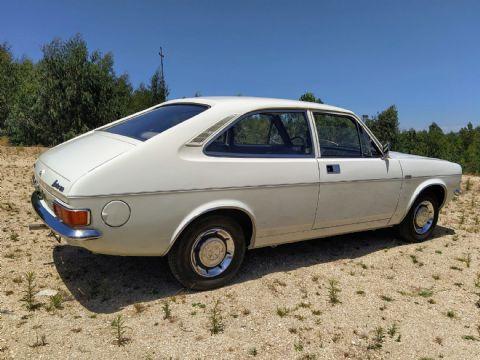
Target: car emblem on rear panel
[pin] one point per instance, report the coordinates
(57, 186)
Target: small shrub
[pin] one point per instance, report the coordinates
(379, 337)
(333, 291)
(56, 302)
(392, 330)
(425, 293)
(167, 311)
(119, 330)
(415, 260)
(14, 237)
(199, 305)
(139, 307)
(216, 322)
(29, 297)
(451, 314)
(386, 298)
(298, 346)
(282, 311)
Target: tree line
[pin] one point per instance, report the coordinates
(66, 93)
(71, 90)
(462, 147)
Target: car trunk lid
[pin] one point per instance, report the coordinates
(58, 168)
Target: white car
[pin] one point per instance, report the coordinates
(203, 179)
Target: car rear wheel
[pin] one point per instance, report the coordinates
(421, 220)
(208, 253)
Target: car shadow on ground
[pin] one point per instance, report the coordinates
(105, 284)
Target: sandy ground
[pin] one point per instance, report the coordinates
(359, 296)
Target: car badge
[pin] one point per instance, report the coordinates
(57, 186)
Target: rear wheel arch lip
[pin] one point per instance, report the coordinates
(421, 189)
(205, 209)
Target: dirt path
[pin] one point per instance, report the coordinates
(358, 296)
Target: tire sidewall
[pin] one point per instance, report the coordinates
(180, 256)
(412, 234)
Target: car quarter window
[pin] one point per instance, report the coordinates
(369, 148)
(265, 134)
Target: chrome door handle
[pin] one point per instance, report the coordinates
(333, 169)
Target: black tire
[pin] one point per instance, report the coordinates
(407, 228)
(180, 256)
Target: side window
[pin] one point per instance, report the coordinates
(265, 134)
(369, 149)
(338, 136)
(253, 130)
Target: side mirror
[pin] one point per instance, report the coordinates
(386, 150)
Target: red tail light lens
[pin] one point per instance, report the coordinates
(72, 217)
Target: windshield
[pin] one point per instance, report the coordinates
(143, 127)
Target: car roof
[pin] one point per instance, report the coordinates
(252, 103)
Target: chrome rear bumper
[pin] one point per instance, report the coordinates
(59, 227)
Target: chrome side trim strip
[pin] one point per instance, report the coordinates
(161, 192)
(59, 227)
(358, 181)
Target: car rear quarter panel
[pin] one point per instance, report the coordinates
(157, 219)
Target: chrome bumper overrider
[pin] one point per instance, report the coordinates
(59, 227)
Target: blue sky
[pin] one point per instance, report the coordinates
(423, 56)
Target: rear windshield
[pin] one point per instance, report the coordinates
(151, 123)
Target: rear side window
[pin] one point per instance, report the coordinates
(151, 123)
(265, 134)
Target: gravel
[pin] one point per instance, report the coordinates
(279, 307)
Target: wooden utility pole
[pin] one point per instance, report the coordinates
(161, 62)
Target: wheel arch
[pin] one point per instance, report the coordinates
(435, 186)
(235, 209)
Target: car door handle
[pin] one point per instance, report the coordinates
(333, 169)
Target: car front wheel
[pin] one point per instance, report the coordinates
(421, 220)
(208, 253)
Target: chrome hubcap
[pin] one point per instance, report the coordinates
(212, 252)
(423, 217)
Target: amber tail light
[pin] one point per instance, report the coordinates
(72, 217)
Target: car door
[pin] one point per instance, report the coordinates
(267, 161)
(357, 185)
